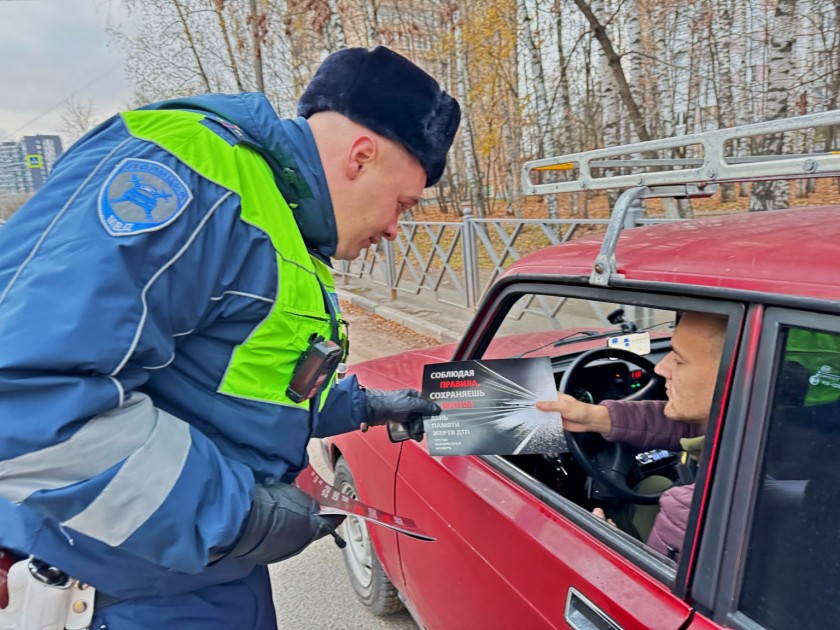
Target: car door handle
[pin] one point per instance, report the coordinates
(582, 614)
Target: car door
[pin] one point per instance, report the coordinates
(509, 551)
(503, 560)
(770, 555)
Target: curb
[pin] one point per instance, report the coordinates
(417, 324)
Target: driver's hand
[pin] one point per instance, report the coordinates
(599, 512)
(579, 416)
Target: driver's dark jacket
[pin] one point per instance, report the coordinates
(643, 424)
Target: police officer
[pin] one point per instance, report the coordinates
(169, 331)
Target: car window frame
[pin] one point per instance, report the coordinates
(488, 320)
(724, 565)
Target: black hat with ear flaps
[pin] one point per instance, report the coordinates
(391, 96)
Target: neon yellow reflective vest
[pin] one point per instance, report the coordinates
(261, 367)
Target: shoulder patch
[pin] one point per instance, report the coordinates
(141, 196)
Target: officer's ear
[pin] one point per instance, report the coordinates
(360, 156)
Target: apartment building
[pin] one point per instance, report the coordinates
(25, 165)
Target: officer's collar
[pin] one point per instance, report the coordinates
(293, 156)
(289, 148)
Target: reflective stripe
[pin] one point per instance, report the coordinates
(260, 368)
(160, 367)
(141, 485)
(81, 457)
(242, 294)
(120, 391)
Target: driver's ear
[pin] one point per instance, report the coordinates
(360, 156)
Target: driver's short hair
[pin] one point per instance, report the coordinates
(717, 323)
(722, 320)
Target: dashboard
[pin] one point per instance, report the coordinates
(608, 380)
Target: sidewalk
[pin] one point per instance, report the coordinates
(422, 313)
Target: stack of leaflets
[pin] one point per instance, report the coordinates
(331, 501)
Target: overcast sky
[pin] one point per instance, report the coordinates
(51, 50)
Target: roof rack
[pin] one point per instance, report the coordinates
(678, 177)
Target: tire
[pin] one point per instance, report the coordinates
(367, 577)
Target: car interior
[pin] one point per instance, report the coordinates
(598, 351)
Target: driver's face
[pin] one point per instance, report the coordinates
(691, 368)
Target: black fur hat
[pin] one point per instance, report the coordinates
(390, 95)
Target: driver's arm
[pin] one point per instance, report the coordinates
(579, 416)
(640, 423)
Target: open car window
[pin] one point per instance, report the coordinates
(564, 327)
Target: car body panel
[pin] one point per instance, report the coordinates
(503, 557)
(373, 458)
(732, 252)
(493, 537)
(400, 370)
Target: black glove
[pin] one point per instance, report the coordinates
(283, 521)
(403, 406)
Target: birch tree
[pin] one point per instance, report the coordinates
(614, 63)
(720, 46)
(634, 55)
(771, 195)
(568, 117)
(185, 47)
(335, 38)
(565, 76)
(467, 138)
(742, 49)
(370, 19)
(541, 105)
(609, 90)
(219, 9)
(184, 21)
(259, 30)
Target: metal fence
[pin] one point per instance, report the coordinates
(456, 262)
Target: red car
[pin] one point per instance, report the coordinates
(517, 544)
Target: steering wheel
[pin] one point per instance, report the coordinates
(610, 462)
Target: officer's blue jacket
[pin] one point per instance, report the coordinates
(120, 462)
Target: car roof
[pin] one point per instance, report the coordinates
(788, 252)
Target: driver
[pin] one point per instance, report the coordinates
(690, 371)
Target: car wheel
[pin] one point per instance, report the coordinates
(372, 586)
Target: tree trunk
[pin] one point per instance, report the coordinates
(614, 63)
(634, 46)
(258, 25)
(219, 8)
(771, 195)
(665, 75)
(370, 15)
(336, 40)
(185, 27)
(468, 142)
(568, 143)
(721, 58)
(742, 51)
(512, 141)
(610, 108)
(541, 104)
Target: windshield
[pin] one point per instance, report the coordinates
(538, 325)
